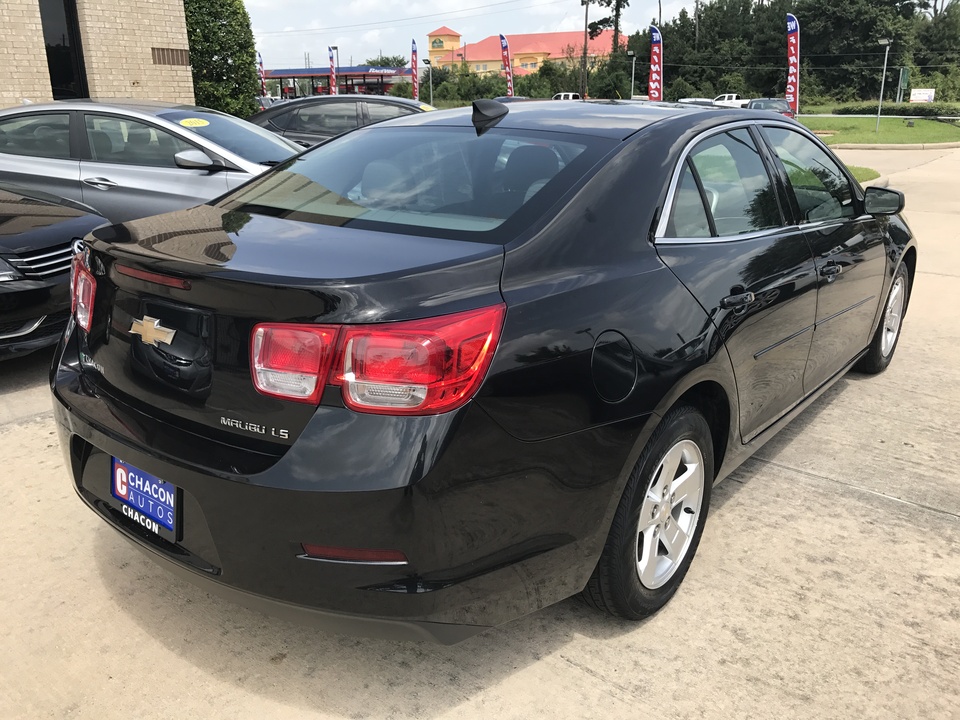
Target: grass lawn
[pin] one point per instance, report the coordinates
(863, 174)
(892, 130)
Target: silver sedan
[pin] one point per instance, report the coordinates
(130, 158)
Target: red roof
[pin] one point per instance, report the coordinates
(444, 31)
(555, 44)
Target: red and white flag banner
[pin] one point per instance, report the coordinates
(793, 63)
(655, 84)
(507, 65)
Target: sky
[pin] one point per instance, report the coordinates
(286, 29)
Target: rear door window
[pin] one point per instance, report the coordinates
(325, 119)
(737, 186)
(46, 135)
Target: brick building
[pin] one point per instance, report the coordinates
(62, 49)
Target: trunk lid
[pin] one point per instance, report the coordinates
(181, 353)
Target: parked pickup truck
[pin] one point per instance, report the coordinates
(731, 100)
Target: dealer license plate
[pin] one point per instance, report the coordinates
(148, 501)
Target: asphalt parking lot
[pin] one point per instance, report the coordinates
(826, 584)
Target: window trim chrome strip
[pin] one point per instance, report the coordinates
(26, 329)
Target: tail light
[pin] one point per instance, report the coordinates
(292, 361)
(84, 287)
(415, 367)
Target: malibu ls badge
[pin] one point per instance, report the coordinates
(151, 332)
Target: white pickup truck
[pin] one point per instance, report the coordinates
(731, 100)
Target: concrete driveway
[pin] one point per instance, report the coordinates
(826, 585)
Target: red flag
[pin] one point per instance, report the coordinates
(655, 84)
(413, 67)
(793, 63)
(507, 67)
(333, 73)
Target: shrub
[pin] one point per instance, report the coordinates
(934, 109)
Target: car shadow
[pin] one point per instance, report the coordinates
(26, 371)
(347, 676)
(359, 677)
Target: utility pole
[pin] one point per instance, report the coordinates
(586, 38)
(696, 25)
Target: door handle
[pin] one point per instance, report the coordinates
(831, 270)
(99, 183)
(737, 301)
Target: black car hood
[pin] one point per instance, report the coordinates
(31, 220)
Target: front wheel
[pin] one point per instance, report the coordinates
(885, 339)
(658, 523)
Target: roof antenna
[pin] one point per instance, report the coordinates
(486, 114)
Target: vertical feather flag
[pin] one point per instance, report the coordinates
(507, 64)
(655, 84)
(413, 67)
(333, 73)
(792, 94)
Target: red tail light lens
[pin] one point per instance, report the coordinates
(292, 361)
(414, 367)
(357, 555)
(418, 367)
(84, 293)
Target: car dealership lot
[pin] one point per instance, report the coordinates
(826, 584)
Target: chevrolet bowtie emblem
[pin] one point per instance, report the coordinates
(150, 331)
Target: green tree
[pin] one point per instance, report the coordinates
(222, 55)
(403, 89)
(393, 61)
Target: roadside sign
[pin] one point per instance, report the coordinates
(904, 78)
(918, 95)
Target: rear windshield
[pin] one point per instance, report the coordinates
(252, 143)
(769, 105)
(440, 182)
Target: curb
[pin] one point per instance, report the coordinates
(890, 146)
(880, 182)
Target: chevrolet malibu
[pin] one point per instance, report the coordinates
(449, 369)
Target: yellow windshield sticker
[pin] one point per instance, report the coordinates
(427, 108)
(194, 122)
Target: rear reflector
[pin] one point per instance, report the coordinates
(292, 361)
(358, 555)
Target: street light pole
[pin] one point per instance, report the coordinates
(883, 78)
(633, 70)
(430, 75)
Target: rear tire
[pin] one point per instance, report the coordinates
(659, 521)
(885, 339)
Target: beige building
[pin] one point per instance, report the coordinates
(63, 49)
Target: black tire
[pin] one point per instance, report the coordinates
(616, 584)
(880, 353)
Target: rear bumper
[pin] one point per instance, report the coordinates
(494, 528)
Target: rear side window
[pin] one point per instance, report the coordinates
(442, 182)
(325, 119)
(688, 218)
(822, 190)
(46, 135)
(738, 189)
(386, 111)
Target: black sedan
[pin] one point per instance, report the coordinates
(39, 235)
(312, 120)
(447, 370)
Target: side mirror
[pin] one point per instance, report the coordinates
(194, 160)
(883, 201)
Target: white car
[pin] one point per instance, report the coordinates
(731, 100)
(566, 96)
